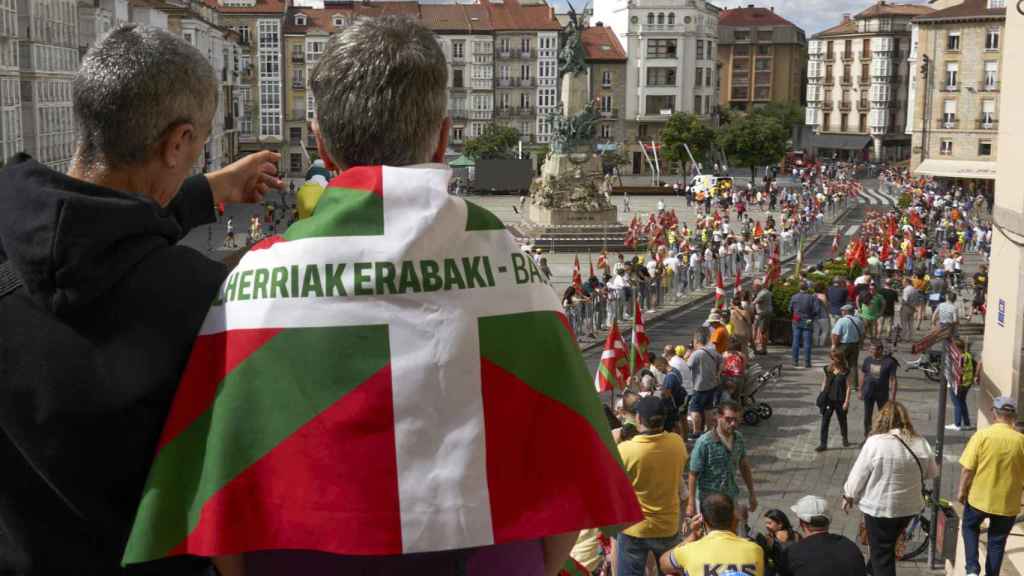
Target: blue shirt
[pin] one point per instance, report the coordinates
(837, 296)
(850, 329)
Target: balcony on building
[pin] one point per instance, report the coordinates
(847, 56)
(987, 124)
(527, 54)
(298, 57)
(989, 86)
(829, 80)
(845, 106)
(505, 82)
(609, 113)
(863, 105)
(458, 113)
(826, 104)
(947, 123)
(830, 56)
(864, 80)
(846, 80)
(298, 85)
(504, 54)
(525, 82)
(950, 88)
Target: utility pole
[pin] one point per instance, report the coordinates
(926, 85)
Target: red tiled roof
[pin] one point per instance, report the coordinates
(262, 7)
(751, 16)
(887, 9)
(601, 44)
(965, 9)
(466, 18)
(511, 15)
(847, 27)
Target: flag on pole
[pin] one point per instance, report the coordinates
(612, 370)
(638, 350)
(300, 419)
(590, 259)
(577, 279)
(799, 269)
(719, 292)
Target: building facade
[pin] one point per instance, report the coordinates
(763, 58)
(857, 89)
(47, 60)
(606, 72)
(671, 67)
(956, 93)
(11, 139)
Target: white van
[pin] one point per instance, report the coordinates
(707, 183)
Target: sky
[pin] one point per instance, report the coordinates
(811, 15)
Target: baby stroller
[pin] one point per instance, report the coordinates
(757, 378)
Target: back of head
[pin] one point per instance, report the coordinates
(135, 84)
(381, 93)
(893, 416)
(718, 511)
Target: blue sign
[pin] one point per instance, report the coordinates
(1001, 315)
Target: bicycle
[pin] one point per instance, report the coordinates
(914, 540)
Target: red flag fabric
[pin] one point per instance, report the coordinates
(758, 230)
(577, 280)
(612, 371)
(638, 350)
(719, 292)
(886, 251)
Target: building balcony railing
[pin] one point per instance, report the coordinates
(865, 55)
(504, 82)
(947, 124)
(863, 105)
(846, 80)
(987, 124)
(527, 54)
(298, 58)
(949, 88)
(845, 106)
(988, 87)
(458, 113)
(504, 54)
(460, 88)
(864, 80)
(830, 57)
(847, 56)
(610, 113)
(606, 84)
(829, 80)
(512, 111)
(525, 82)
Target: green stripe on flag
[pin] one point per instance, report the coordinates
(293, 378)
(342, 212)
(609, 376)
(551, 364)
(479, 219)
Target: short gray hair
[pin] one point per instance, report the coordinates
(381, 93)
(134, 84)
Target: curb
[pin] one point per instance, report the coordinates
(682, 308)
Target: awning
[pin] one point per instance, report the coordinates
(841, 141)
(462, 162)
(957, 169)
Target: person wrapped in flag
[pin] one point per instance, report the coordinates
(373, 389)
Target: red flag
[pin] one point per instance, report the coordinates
(638, 350)
(602, 261)
(886, 252)
(577, 280)
(612, 369)
(758, 231)
(720, 292)
(862, 255)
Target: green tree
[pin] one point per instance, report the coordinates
(754, 140)
(683, 128)
(787, 113)
(496, 142)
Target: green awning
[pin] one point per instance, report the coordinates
(462, 161)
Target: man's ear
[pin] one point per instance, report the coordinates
(442, 141)
(321, 148)
(173, 149)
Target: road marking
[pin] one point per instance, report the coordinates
(852, 230)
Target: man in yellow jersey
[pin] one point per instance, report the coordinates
(713, 548)
(654, 461)
(991, 483)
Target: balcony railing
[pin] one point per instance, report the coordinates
(829, 80)
(989, 87)
(298, 84)
(527, 54)
(863, 105)
(459, 88)
(504, 54)
(505, 82)
(947, 124)
(298, 58)
(458, 113)
(864, 80)
(846, 80)
(988, 124)
(525, 82)
(845, 106)
(847, 56)
(950, 88)
(610, 113)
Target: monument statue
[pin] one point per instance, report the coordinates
(571, 189)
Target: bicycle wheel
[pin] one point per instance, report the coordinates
(915, 537)
(933, 374)
(764, 411)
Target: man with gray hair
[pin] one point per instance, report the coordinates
(100, 305)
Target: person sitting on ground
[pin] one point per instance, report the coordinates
(777, 536)
(712, 547)
(819, 552)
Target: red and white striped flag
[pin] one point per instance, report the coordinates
(638, 351)
(612, 370)
(720, 292)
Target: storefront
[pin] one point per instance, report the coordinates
(973, 175)
(842, 147)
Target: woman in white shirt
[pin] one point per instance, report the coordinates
(886, 483)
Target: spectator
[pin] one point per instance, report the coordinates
(960, 381)
(103, 282)
(705, 364)
(991, 483)
(654, 461)
(887, 483)
(834, 398)
(734, 370)
(822, 325)
(740, 320)
(804, 309)
(719, 333)
(847, 335)
(910, 300)
(778, 536)
(872, 305)
(673, 395)
(889, 296)
(717, 454)
(762, 316)
(819, 553)
(713, 546)
(947, 315)
(879, 382)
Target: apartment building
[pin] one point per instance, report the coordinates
(606, 71)
(525, 66)
(857, 77)
(672, 66)
(956, 92)
(47, 60)
(763, 58)
(11, 140)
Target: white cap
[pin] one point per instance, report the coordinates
(810, 507)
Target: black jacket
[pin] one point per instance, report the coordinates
(91, 351)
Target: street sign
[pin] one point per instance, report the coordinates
(1001, 314)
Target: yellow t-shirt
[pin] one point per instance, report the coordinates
(996, 454)
(719, 552)
(655, 463)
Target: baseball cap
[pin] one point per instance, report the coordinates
(1004, 403)
(648, 407)
(810, 507)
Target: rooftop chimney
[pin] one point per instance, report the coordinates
(846, 17)
(772, 8)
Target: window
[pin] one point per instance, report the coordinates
(952, 68)
(996, 4)
(707, 76)
(865, 49)
(762, 92)
(848, 49)
(606, 130)
(457, 133)
(953, 42)
(606, 78)
(698, 77)
(826, 122)
(862, 123)
(992, 39)
(606, 103)
(696, 103)
(946, 148)
(843, 122)
(650, 18)
(988, 113)
(243, 34)
(671, 19)
(740, 92)
(661, 48)
(741, 35)
(949, 114)
(661, 18)
(661, 76)
(295, 163)
(764, 35)
(828, 74)
(665, 105)
(641, 131)
(985, 148)
(847, 77)
(338, 21)
(524, 71)
(711, 54)
(700, 49)
(865, 73)
(741, 51)
(458, 49)
(457, 81)
(764, 50)
(829, 54)
(991, 75)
